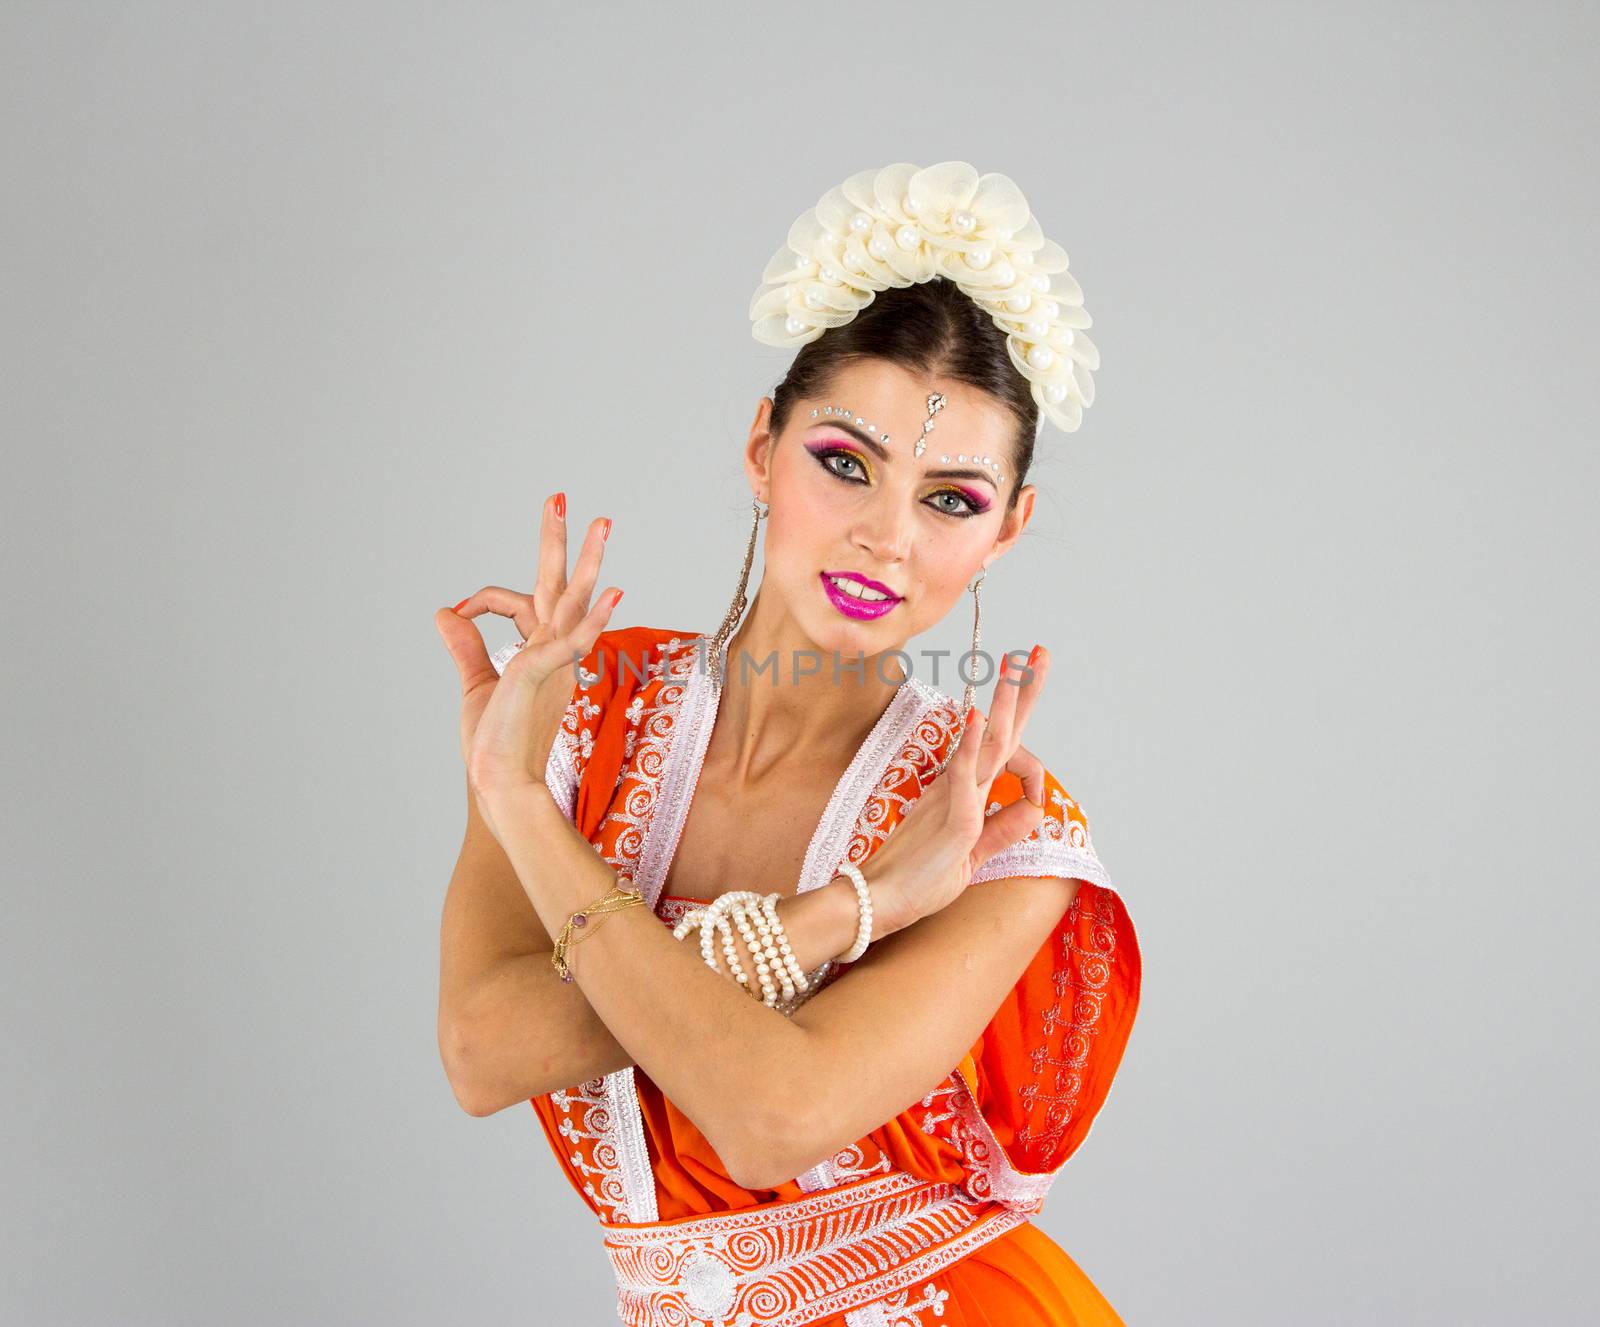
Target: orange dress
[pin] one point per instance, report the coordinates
(926, 1218)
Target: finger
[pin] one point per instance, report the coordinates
(582, 638)
(1007, 685)
(1030, 769)
(575, 601)
(504, 603)
(1006, 826)
(1024, 697)
(964, 764)
(1031, 690)
(465, 643)
(552, 579)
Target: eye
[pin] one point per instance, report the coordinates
(847, 457)
(965, 507)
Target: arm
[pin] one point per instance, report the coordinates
(771, 1094)
(510, 1028)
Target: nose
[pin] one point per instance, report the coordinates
(884, 533)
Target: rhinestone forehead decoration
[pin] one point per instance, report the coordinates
(936, 402)
(842, 413)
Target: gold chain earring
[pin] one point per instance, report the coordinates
(736, 609)
(971, 691)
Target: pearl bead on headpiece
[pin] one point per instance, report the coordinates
(905, 224)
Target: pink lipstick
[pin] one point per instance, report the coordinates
(864, 606)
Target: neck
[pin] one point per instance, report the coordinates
(784, 699)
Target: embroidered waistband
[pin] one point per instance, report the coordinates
(793, 1263)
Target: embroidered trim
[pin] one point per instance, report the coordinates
(1059, 846)
(831, 844)
(649, 775)
(792, 1263)
(634, 1172)
(916, 763)
(679, 735)
(561, 778)
(1031, 857)
(898, 1313)
(1085, 970)
(587, 1117)
(989, 1174)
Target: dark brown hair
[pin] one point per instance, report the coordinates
(932, 328)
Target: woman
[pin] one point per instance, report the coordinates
(845, 1110)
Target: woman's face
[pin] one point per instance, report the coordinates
(846, 507)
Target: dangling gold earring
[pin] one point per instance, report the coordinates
(977, 623)
(736, 609)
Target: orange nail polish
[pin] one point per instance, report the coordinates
(457, 608)
(1033, 657)
(617, 600)
(561, 506)
(605, 530)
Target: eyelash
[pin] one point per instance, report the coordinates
(823, 457)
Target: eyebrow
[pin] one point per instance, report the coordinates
(882, 453)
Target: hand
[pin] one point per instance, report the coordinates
(945, 837)
(509, 721)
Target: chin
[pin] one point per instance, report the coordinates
(832, 631)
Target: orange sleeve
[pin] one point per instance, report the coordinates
(1045, 1064)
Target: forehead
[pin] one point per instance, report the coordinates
(894, 400)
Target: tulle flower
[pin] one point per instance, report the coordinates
(904, 224)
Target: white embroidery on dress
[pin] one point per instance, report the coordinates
(859, 791)
(587, 1117)
(1059, 845)
(932, 1116)
(917, 758)
(899, 1313)
(655, 727)
(1091, 964)
(853, 1251)
(851, 1164)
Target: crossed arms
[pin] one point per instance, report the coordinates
(773, 1095)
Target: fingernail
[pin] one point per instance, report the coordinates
(561, 506)
(1033, 657)
(971, 710)
(605, 529)
(458, 607)
(617, 600)
(1005, 663)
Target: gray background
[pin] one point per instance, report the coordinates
(308, 307)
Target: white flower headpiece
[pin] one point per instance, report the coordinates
(904, 224)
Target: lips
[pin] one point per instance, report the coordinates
(867, 581)
(840, 586)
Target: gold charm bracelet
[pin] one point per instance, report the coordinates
(583, 923)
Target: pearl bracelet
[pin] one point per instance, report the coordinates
(784, 984)
(758, 950)
(863, 913)
(797, 974)
(715, 917)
